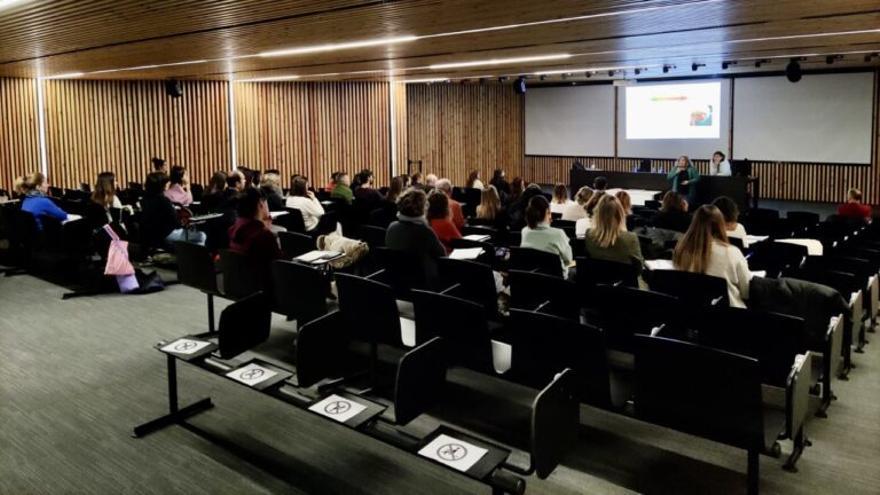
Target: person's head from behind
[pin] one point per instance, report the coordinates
(853, 195)
(35, 183)
(271, 181)
(538, 211)
(672, 201)
(694, 250)
(444, 186)
(625, 201)
(159, 165)
(416, 179)
(490, 203)
(404, 179)
(299, 186)
(248, 176)
(600, 183)
(583, 195)
(217, 182)
(728, 210)
(497, 175)
(472, 178)
(517, 185)
(609, 220)
(234, 180)
(412, 203)
(560, 194)
(395, 188)
(438, 206)
(683, 162)
(717, 157)
(590, 206)
(343, 179)
(431, 180)
(155, 184)
(177, 176)
(105, 189)
(365, 178)
(251, 204)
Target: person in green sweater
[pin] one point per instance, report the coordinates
(608, 238)
(342, 189)
(684, 178)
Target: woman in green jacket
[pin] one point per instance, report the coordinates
(683, 178)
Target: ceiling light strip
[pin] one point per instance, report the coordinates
(500, 61)
(330, 47)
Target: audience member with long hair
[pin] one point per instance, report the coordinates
(37, 202)
(730, 212)
(577, 209)
(684, 178)
(214, 195)
(395, 189)
(625, 201)
(704, 249)
(608, 238)
(178, 188)
(160, 225)
(305, 201)
(538, 234)
(473, 180)
(102, 200)
(490, 211)
(560, 199)
(673, 213)
(500, 183)
(440, 219)
(583, 224)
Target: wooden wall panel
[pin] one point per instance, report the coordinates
(19, 133)
(314, 128)
(119, 125)
(400, 126)
(455, 128)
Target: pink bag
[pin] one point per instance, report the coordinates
(117, 255)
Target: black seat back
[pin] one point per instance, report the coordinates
(462, 325)
(699, 390)
(622, 312)
(374, 236)
(195, 267)
(294, 244)
(470, 280)
(694, 289)
(528, 259)
(321, 349)
(776, 257)
(299, 291)
(403, 271)
(592, 272)
(421, 374)
(531, 290)
(243, 325)
(293, 221)
(240, 279)
(369, 309)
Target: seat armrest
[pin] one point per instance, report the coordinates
(797, 393)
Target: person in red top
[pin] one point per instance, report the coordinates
(439, 217)
(853, 208)
(445, 186)
(251, 236)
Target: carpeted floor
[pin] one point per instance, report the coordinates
(78, 374)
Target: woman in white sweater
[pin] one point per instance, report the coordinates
(305, 201)
(704, 249)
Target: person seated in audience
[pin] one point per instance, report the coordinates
(251, 234)
(411, 234)
(102, 200)
(608, 238)
(18, 187)
(625, 201)
(584, 224)
(515, 190)
(247, 177)
(404, 181)
(160, 225)
(305, 201)
(854, 208)
(576, 210)
(500, 183)
(366, 193)
(360, 178)
(517, 209)
(178, 189)
(704, 249)
(490, 209)
(684, 178)
(37, 202)
(395, 189)
(440, 219)
(600, 183)
(445, 186)
(730, 212)
(342, 188)
(234, 185)
(560, 199)
(214, 196)
(430, 182)
(719, 165)
(159, 165)
(416, 180)
(270, 187)
(538, 234)
(673, 213)
(473, 180)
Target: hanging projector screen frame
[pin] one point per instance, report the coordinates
(875, 110)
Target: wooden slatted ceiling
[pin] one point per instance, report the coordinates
(19, 139)
(314, 128)
(191, 30)
(92, 126)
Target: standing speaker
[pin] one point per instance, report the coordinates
(173, 88)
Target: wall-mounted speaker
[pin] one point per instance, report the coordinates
(173, 88)
(520, 86)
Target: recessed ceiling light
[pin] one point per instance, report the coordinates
(269, 79)
(500, 61)
(329, 47)
(66, 75)
(151, 66)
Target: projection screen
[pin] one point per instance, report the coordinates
(570, 121)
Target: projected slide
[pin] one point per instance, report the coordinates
(674, 111)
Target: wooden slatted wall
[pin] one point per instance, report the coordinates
(118, 125)
(400, 129)
(19, 133)
(314, 128)
(455, 128)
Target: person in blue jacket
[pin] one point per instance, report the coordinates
(684, 178)
(37, 203)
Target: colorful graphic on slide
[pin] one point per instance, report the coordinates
(673, 111)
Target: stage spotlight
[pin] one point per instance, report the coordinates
(666, 69)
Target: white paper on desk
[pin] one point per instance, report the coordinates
(756, 238)
(455, 453)
(276, 214)
(408, 332)
(337, 408)
(477, 237)
(185, 346)
(72, 217)
(313, 256)
(660, 264)
(814, 247)
(759, 273)
(251, 374)
(466, 253)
